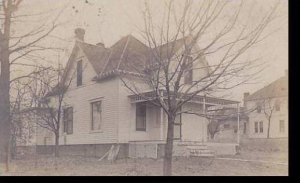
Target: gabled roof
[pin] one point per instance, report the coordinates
(97, 55)
(278, 88)
(169, 49)
(126, 55)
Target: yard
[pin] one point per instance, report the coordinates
(247, 163)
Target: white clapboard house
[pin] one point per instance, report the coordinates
(100, 111)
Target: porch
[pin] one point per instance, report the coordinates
(149, 128)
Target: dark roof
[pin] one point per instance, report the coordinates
(169, 49)
(126, 55)
(97, 55)
(278, 88)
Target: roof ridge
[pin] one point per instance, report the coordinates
(124, 49)
(108, 58)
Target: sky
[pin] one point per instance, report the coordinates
(107, 21)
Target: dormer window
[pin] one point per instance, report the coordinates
(79, 73)
(188, 74)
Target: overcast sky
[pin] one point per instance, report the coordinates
(109, 20)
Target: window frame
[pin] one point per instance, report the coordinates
(180, 127)
(79, 73)
(261, 127)
(281, 126)
(92, 116)
(245, 128)
(256, 127)
(258, 108)
(188, 73)
(67, 120)
(140, 106)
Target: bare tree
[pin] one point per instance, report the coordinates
(268, 106)
(13, 48)
(170, 69)
(49, 95)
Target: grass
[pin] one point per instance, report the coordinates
(83, 166)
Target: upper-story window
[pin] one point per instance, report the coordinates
(79, 73)
(258, 108)
(188, 74)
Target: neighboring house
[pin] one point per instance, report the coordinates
(226, 125)
(100, 111)
(270, 102)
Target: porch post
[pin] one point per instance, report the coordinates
(161, 123)
(202, 124)
(238, 125)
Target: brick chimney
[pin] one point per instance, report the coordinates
(79, 34)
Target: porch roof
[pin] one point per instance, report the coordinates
(151, 95)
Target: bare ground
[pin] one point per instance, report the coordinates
(79, 166)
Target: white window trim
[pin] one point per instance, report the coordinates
(99, 99)
(62, 119)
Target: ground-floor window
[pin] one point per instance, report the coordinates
(256, 127)
(261, 127)
(141, 116)
(68, 120)
(96, 115)
(177, 127)
(281, 126)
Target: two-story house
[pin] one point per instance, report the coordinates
(100, 111)
(269, 106)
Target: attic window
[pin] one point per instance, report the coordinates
(79, 73)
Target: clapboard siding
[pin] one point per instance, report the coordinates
(275, 118)
(126, 129)
(194, 127)
(80, 98)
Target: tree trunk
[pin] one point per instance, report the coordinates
(4, 103)
(167, 169)
(56, 150)
(269, 123)
(4, 88)
(212, 135)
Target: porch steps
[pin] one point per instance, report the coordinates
(200, 152)
(194, 149)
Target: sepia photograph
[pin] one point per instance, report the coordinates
(144, 88)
